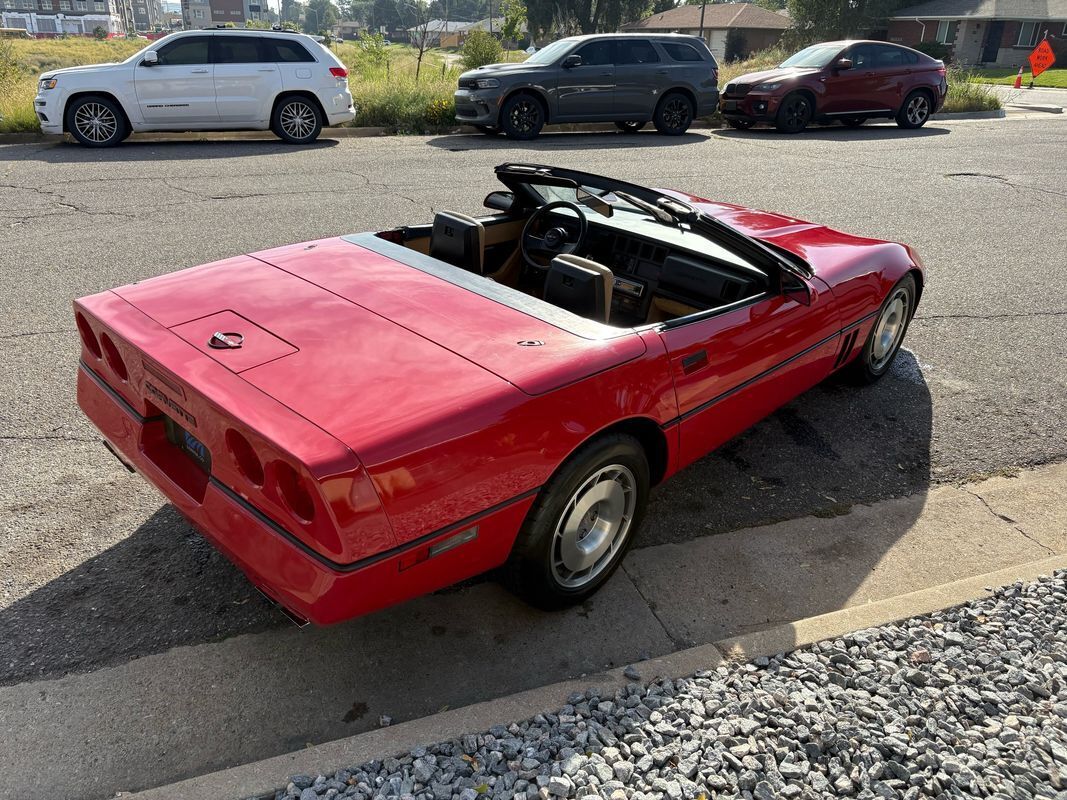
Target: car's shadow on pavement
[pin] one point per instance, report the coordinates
(568, 140)
(835, 133)
(829, 449)
(62, 151)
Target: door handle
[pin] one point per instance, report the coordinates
(268, 69)
(605, 74)
(694, 361)
(199, 71)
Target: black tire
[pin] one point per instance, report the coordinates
(522, 117)
(488, 130)
(296, 120)
(875, 359)
(630, 127)
(794, 114)
(853, 122)
(674, 114)
(740, 124)
(533, 569)
(96, 121)
(915, 110)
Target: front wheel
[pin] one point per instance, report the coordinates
(522, 117)
(581, 525)
(96, 121)
(915, 110)
(887, 334)
(674, 114)
(296, 120)
(794, 114)
(630, 127)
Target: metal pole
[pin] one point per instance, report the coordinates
(703, 6)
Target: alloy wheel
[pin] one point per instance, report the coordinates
(525, 115)
(676, 113)
(918, 110)
(797, 113)
(96, 122)
(297, 119)
(593, 526)
(889, 329)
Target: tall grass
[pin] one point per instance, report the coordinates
(966, 93)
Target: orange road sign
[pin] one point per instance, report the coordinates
(1042, 58)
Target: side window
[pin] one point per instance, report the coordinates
(888, 57)
(863, 56)
(235, 49)
(192, 50)
(682, 52)
(283, 51)
(636, 51)
(597, 54)
(910, 57)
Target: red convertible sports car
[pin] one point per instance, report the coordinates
(359, 420)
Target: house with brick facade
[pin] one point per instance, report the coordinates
(751, 27)
(981, 32)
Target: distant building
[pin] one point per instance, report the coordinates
(212, 13)
(147, 14)
(440, 33)
(987, 32)
(62, 17)
(757, 27)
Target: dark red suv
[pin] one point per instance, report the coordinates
(848, 81)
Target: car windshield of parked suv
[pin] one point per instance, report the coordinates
(549, 53)
(818, 55)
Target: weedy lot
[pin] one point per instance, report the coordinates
(383, 80)
(98, 571)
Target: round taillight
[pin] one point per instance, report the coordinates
(245, 457)
(92, 344)
(293, 491)
(112, 357)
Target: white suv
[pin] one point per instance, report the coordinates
(204, 81)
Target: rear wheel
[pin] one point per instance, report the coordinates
(581, 525)
(740, 124)
(915, 110)
(630, 127)
(887, 334)
(296, 120)
(674, 114)
(794, 113)
(96, 121)
(522, 117)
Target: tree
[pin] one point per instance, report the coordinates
(583, 16)
(421, 35)
(481, 48)
(257, 24)
(735, 45)
(819, 20)
(319, 16)
(514, 12)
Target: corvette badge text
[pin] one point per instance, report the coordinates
(170, 404)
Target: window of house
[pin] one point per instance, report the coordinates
(99, 6)
(198, 13)
(1028, 32)
(942, 31)
(64, 5)
(81, 5)
(637, 51)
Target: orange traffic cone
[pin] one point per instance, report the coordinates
(1019, 79)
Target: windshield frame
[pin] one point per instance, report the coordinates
(833, 51)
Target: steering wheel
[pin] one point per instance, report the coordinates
(554, 241)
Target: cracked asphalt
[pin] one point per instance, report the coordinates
(96, 570)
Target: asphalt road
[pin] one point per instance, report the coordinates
(95, 569)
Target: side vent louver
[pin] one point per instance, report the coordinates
(846, 347)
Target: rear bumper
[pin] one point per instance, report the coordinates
(280, 565)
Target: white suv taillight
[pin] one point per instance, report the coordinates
(339, 72)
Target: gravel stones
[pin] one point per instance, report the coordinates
(966, 702)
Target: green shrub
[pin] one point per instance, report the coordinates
(967, 94)
(934, 50)
(100, 32)
(481, 48)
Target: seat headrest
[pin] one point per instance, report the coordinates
(459, 240)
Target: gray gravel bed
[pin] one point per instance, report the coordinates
(968, 702)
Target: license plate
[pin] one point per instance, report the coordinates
(729, 105)
(188, 444)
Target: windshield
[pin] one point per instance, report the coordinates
(818, 55)
(575, 195)
(549, 53)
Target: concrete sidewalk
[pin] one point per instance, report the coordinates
(193, 710)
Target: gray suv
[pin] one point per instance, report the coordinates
(627, 79)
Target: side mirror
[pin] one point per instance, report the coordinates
(500, 201)
(151, 58)
(843, 63)
(797, 289)
(570, 62)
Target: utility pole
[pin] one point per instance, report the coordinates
(703, 6)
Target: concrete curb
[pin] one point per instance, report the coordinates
(265, 777)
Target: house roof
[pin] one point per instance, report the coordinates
(985, 9)
(716, 15)
(498, 23)
(440, 26)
